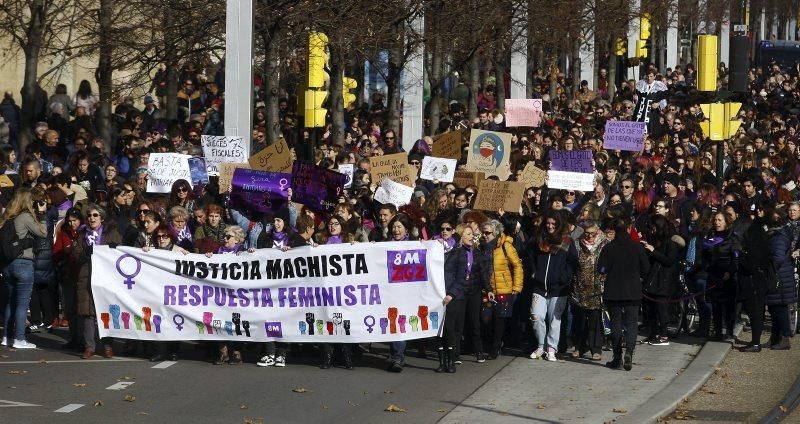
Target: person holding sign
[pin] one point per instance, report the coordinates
(234, 244)
(181, 195)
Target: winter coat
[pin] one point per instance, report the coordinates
(624, 262)
(721, 255)
(457, 283)
(209, 239)
(662, 278)
(507, 273)
(587, 284)
(66, 240)
(754, 263)
(43, 269)
(552, 267)
(82, 256)
(786, 291)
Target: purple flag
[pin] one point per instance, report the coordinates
(316, 187)
(259, 191)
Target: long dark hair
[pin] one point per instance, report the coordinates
(174, 200)
(84, 89)
(346, 234)
(658, 229)
(558, 234)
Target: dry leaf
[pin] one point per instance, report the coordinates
(129, 398)
(441, 410)
(649, 378)
(299, 390)
(783, 408)
(242, 406)
(17, 372)
(43, 361)
(540, 406)
(12, 387)
(394, 408)
(620, 410)
(98, 403)
(388, 392)
(4, 356)
(324, 406)
(253, 421)
(78, 384)
(142, 413)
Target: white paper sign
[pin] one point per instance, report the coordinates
(347, 169)
(223, 149)
(570, 180)
(339, 293)
(166, 168)
(441, 169)
(394, 193)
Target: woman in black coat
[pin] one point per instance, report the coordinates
(779, 298)
(661, 281)
(720, 252)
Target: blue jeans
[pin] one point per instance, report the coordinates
(397, 351)
(550, 308)
(19, 286)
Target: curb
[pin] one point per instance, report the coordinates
(684, 385)
(789, 403)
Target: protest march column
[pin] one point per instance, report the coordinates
(239, 70)
(413, 87)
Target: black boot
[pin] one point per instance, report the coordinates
(442, 360)
(451, 360)
(347, 356)
(616, 362)
(327, 357)
(627, 361)
(783, 344)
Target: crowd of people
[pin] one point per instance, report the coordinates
(660, 225)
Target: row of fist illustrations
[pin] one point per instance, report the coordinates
(337, 326)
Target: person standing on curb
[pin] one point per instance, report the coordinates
(624, 263)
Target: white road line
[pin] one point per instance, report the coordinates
(11, 404)
(165, 364)
(74, 361)
(120, 385)
(69, 408)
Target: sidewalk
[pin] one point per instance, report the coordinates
(570, 391)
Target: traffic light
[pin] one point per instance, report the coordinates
(707, 63)
(622, 47)
(317, 42)
(719, 124)
(641, 48)
(314, 113)
(347, 85)
(644, 26)
(730, 123)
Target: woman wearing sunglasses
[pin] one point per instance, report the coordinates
(181, 195)
(234, 244)
(96, 232)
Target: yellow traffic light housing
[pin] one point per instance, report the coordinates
(644, 26)
(314, 113)
(641, 49)
(707, 61)
(720, 123)
(317, 43)
(347, 85)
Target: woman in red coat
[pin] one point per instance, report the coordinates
(67, 272)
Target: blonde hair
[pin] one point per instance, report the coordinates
(21, 202)
(236, 231)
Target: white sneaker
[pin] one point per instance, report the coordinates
(4, 342)
(551, 356)
(537, 354)
(23, 344)
(266, 361)
(280, 361)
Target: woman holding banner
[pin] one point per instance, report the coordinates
(400, 229)
(234, 244)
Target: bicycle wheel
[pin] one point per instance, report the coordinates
(676, 311)
(691, 316)
(793, 314)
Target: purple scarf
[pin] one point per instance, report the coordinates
(184, 234)
(279, 239)
(449, 243)
(93, 237)
(334, 239)
(65, 206)
(234, 249)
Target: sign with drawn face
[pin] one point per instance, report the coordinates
(489, 152)
(439, 169)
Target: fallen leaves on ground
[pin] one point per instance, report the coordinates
(43, 361)
(299, 390)
(78, 384)
(129, 398)
(648, 378)
(350, 402)
(98, 403)
(441, 410)
(387, 392)
(782, 408)
(394, 408)
(253, 421)
(142, 413)
(620, 410)
(540, 406)
(17, 372)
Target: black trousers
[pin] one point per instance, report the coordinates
(44, 303)
(472, 319)
(623, 315)
(587, 328)
(453, 323)
(724, 311)
(754, 306)
(780, 320)
(657, 314)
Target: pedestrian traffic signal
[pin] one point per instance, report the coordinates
(347, 85)
(317, 42)
(622, 47)
(707, 62)
(720, 123)
(314, 113)
(644, 26)
(731, 123)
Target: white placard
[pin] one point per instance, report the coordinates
(223, 149)
(166, 168)
(394, 193)
(440, 169)
(347, 169)
(570, 180)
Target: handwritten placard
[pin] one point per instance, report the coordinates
(570, 180)
(571, 161)
(389, 166)
(624, 135)
(394, 193)
(523, 112)
(463, 179)
(489, 152)
(259, 191)
(439, 169)
(316, 187)
(275, 158)
(532, 176)
(448, 145)
(223, 149)
(495, 195)
(226, 174)
(166, 168)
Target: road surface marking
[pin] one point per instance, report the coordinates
(74, 361)
(69, 408)
(11, 404)
(120, 385)
(165, 364)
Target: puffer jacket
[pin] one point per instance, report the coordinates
(552, 267)
(662, 280)
(507, 272)
(786, 291)
(43, 260)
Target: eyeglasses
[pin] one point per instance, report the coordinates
(627, 186)
(93, 215)
(183, 190)
(570, 193)
(163, 236)
(415, 162)
(488, 233)
(590, 233)
(447, 228)
(334, 224)
(229, 236)
(142, 211)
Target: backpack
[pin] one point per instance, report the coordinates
(11, 246)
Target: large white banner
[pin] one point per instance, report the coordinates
(346, 293)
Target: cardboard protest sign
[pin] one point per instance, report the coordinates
(197, 166)
(494, 195)
(259, 191)
(316, 187)
(166, 168)
(394, 193)
(523, 112)
(571, 161)
(489, 152)
(226, 175)
(5, 182)
(448, 145)
(390, 166)
(223, 149)
(275, 158)
(462, 179)
(570, 180)
(624, 135)
(348, 170)
(532, 176)
(440, 169)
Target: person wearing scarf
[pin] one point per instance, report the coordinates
(446, 236)
(695, 270)
(553, 259)
(178, 223)
(96, 232)
(587, 293)
(211, 235)
(721, 254)
(234, 244)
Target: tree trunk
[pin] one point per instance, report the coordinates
(104, 74)
(613, 62)
(395, 66)
(336, 101)
(474, 86)
(171, 60)
(35, 32)
(500, 74)
(553, 80)
(435, 81)
(272, 85)
(576, 66)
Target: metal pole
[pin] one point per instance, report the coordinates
(239, 70)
